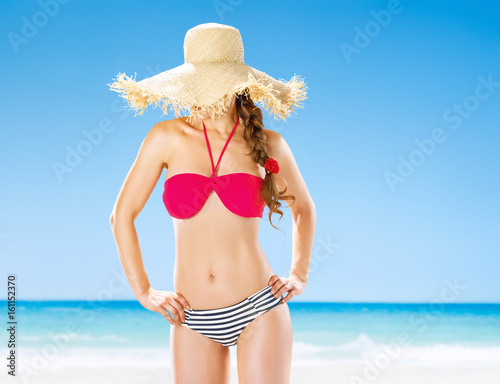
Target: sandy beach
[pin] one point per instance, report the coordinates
(334, 373)
(74, 366)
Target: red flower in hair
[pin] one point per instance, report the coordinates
(272, 165)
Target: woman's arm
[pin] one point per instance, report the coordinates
(304, 218)
(134, 193)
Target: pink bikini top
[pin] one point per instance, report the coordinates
(186, 193)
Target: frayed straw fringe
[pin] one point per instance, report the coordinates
(140, 97)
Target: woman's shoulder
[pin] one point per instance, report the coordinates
(168, 128)
(275, 142)
(163, 137)
(169, 132)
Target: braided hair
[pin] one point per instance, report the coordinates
(254, 135)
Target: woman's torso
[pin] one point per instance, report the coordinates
(218, 257)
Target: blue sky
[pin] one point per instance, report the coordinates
(398, 141)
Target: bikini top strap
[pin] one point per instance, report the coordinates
(223, 149)
(209, 149)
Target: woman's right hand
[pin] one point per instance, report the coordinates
(163, 301)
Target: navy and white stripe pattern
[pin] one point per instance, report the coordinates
(224, 325)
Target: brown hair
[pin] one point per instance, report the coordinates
(254, 135)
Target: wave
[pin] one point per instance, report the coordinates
(51, 336)
(365, 350)
(360, 351)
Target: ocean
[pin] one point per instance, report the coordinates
(122, 334)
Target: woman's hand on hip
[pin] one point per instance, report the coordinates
(163, 301)
(291, 285)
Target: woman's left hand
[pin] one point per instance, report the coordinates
(281, 285)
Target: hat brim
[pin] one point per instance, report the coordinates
(211, 86)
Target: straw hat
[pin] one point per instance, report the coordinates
(212, 73)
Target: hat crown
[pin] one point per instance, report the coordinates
(213, 43)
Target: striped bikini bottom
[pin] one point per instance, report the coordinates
(224, 325)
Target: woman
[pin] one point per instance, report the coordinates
(223, 168)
